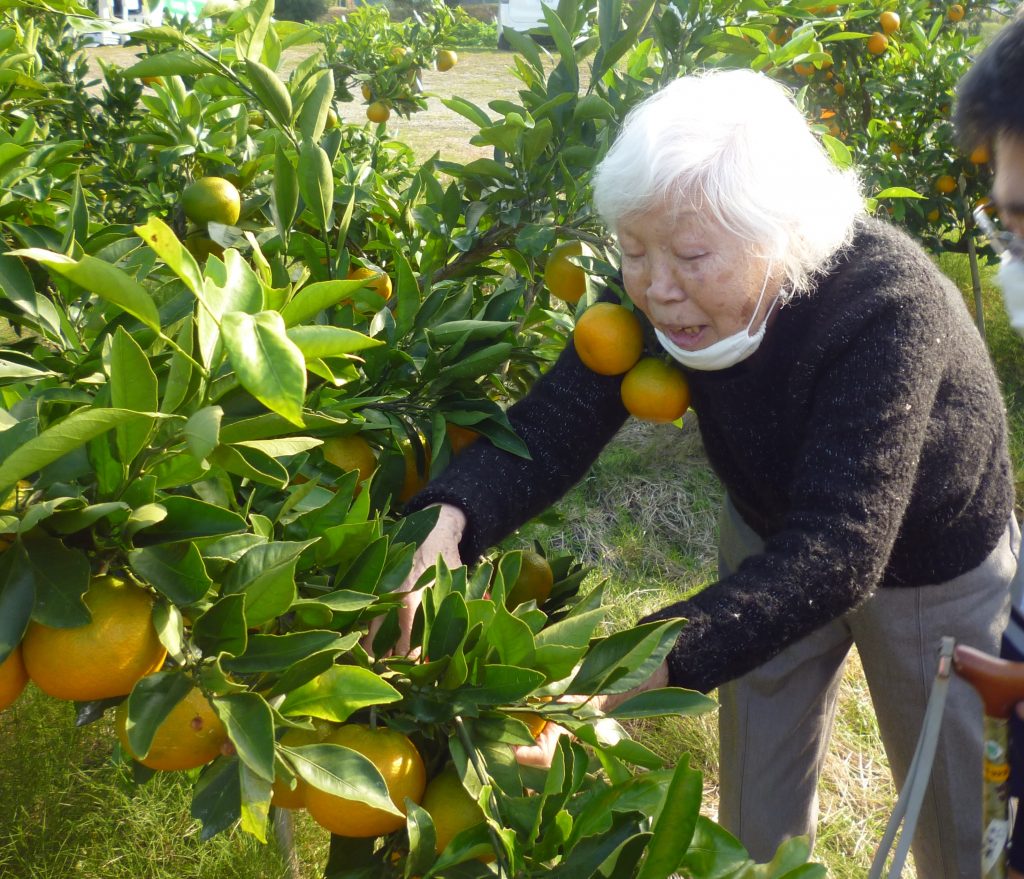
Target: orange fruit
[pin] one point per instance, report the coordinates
(398, 53)
(13, 678)
(191, 735)
(655, 391)
(378, 112)
(608, 338)
(381, 283)
(804, 69)
(946, 184)
(105, 657)
(446, 60)
(396, 758)
(564, 279)
(897, 150)
(933, 216)
(889, 22)
(367, 91)
(980, 155)
(332, 119)
(839, 89)
(212, 200)
(414, 480)
(534, 721)
(285, 797)
(955, 12)
(877, 43)
(450, 806)
(533, 583)
(150, 80)
(460, 437)
(351, 453)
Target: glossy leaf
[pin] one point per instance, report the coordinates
(268, 364)
(339, 692)
(250, 727)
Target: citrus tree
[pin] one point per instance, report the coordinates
(223, 381)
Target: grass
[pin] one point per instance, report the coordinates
(644, 518)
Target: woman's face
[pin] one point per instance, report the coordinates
(696, 282)
(1008, 183)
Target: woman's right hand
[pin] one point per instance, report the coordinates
(442, 541)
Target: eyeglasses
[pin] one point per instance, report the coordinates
(1002, 241)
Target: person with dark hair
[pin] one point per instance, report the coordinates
(990, 113)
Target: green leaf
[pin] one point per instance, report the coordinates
(102, 279)
(222, 629)
(407, 295)
(61, 577)
(664, 702)
(512, 638)
(713, 852)
(217, 797)
(468, 110)
(284, 192)
(313, 114)
(189, 518)
(268, 364)
(674, 826)
(179, 375)
(176, 570)
(165, 244)
(17, 595)
(266, 576)
(324, 341)
(172, 63)
(152, 699)
(202, 431)
(316, 183)
(898, 192)
(250, 726)
(271, 91)
(256, 794)
(251, 463)
(339, 692)
(502, 683)
(625, 659)
(274, 653)
(342, 772)
(314, 298)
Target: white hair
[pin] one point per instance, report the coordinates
(733, 144)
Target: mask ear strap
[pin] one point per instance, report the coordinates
(760, 299)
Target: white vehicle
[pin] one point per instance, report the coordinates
(521, 15)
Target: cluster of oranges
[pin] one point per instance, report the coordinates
(609, 340)
(378, 108)
(104, 659)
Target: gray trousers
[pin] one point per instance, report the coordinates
(775, 722)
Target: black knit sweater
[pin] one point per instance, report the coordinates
(865, 441)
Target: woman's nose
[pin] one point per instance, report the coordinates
(663, 287)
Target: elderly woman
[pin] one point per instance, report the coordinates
(847, 404)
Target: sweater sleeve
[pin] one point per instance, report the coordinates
(854, 475)
(569, 415)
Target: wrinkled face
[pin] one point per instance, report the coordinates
(696, 282)
(1008, 183)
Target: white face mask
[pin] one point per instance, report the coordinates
(725, 352)
(1011, 279)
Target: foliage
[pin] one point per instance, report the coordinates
(167, 400)
(468, 31)
(171, 386)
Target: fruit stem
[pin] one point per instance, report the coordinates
(481, 773)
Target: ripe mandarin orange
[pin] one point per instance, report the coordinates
(564, 279)
(877, 43)
(13, 678)
(105, 657)
(608, 338)
(655, 391)
(396, 758)
(191, 735)
(533, 583)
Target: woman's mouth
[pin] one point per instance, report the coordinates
(688, 338)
